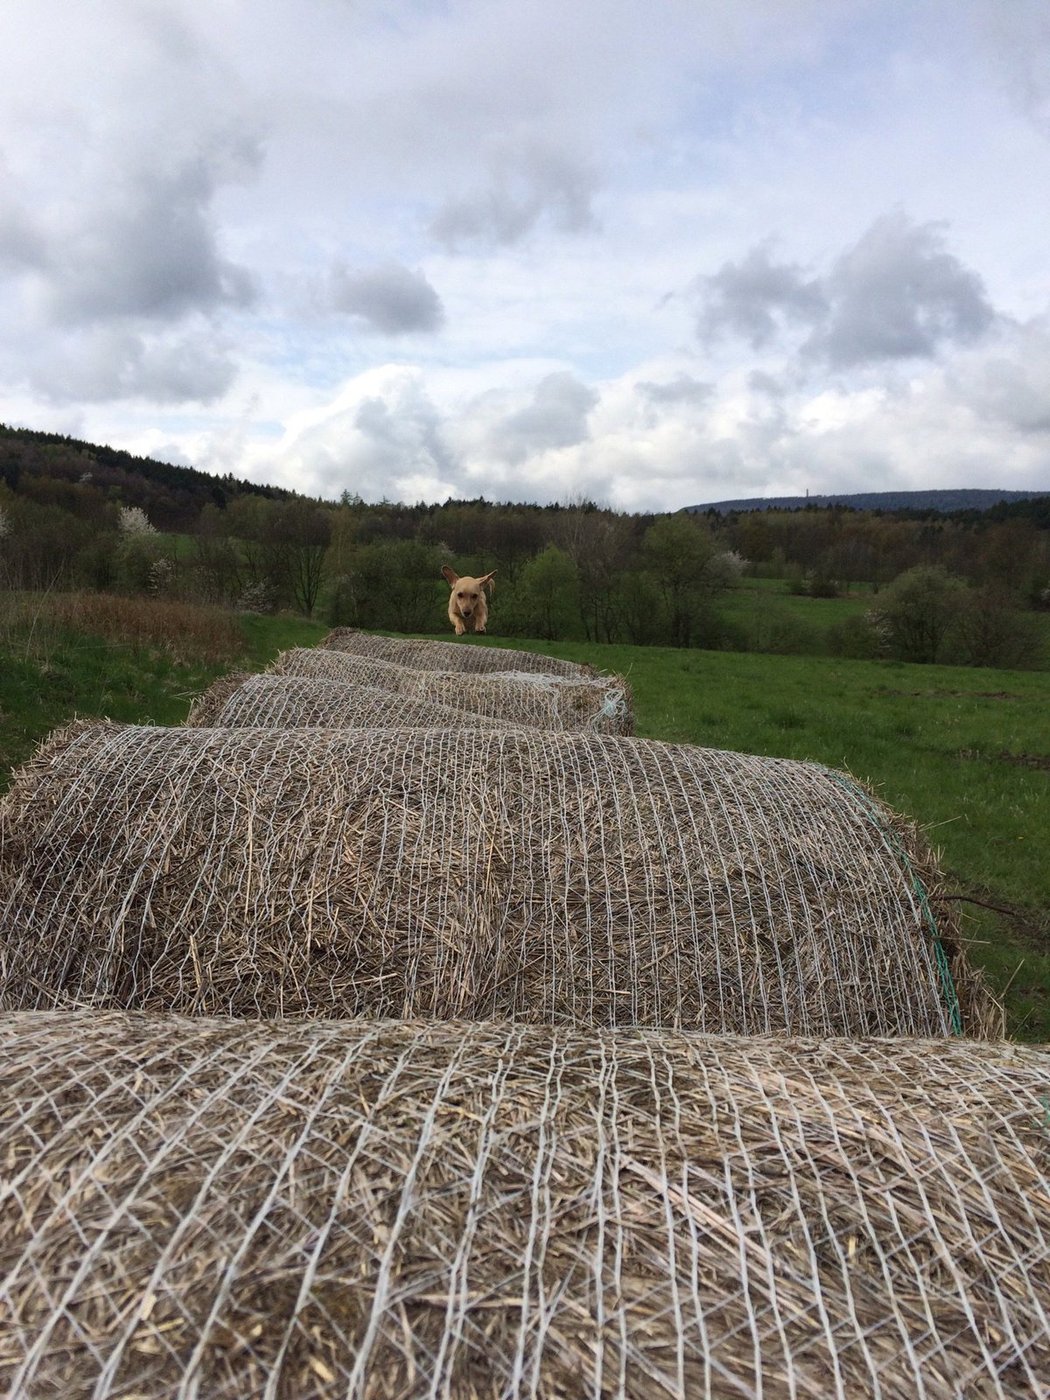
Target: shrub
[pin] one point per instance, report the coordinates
(855, 637)
(993, 633)
(918, 613)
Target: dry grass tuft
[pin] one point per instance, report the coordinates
(187, 632)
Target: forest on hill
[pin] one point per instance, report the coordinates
(955, 502)
(81, 477)
(77, 516)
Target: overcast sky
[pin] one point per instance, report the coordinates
(654, 254)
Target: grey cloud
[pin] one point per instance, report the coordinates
(114, 362)
(753, 297)
(763, 383)
(1018, 43)
(172, 37)
(525, 186)
(683, 390)
(147, 251)
(896, 294)
(556, 417)
(1010, 387)
(21, 244)
(391, 300)
(174, 454)
(384, 429)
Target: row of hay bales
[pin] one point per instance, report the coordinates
(466, 872)
(537, 1161)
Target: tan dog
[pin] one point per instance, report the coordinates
(468, 610)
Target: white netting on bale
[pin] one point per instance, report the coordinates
(469, 657)
(269, 701)
(379, 1210)
(598, 703)
(496, 873)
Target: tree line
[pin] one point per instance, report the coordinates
(575, 571)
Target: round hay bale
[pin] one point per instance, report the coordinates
(278, 702)
(205, 710)
(601, 704)
(388, 1209)
(469, 657)
(473, 873)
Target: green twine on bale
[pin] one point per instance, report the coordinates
(895, 844)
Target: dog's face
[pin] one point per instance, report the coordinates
(467, 607)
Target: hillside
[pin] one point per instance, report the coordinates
(171, 496)
(943, 502)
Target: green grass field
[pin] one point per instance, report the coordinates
(764, 615)
(965, 752)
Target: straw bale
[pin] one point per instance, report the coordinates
(470, 657)
(266, 701)
(472, 873)
(602, 704)
(388, 1209)
(205, 710)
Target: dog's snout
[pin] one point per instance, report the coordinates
(467, 612)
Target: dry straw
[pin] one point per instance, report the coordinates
(472, 873)
(379, 1210)
(245, 701)
(470, 657)
(601, 704)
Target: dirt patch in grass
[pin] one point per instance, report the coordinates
(952, 694)
(1039, 761)
(1027, 760)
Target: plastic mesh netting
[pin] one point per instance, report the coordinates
(477, 873)
(601, 704)
(243, 701)
(470, 657)
(379, 1210)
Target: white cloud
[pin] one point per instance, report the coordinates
(754, 246)
(379, 438)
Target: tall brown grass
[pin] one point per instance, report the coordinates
(187, 632)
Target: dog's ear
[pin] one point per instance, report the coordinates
(450, 575)
(486, 581)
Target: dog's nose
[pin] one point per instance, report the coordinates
(466, 611)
